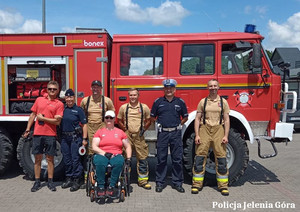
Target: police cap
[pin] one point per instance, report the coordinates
(169, 82)
(69, 92)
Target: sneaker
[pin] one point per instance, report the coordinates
(110, 191)
(51, 186)
(67, 184)
(224, 192)
(36, 186)
(100, 192)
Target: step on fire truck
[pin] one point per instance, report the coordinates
(236, 59)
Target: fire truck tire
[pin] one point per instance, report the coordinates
(26, 160)
(237, 158)
(6, 151)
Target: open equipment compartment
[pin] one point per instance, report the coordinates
(27, 82)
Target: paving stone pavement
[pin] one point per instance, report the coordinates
(267, 185)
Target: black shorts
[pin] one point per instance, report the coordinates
(44, 144)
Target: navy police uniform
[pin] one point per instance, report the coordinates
(169, 133)
(72, 140)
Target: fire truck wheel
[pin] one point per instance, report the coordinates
(6, 151)
(237, 158)
(26, 160)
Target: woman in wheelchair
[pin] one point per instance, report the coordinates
(107, 144)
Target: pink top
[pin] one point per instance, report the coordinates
(111, 140)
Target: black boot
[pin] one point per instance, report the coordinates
(68, 183)
(76, 185)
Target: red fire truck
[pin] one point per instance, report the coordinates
(237, 60)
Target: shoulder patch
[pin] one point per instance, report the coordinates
(157, 99)
(181, 100)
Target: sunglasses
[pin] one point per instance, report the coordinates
(109, 117)
(52, 89)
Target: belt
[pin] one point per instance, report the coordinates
(133, 133)
(69, 133)
(171, 129)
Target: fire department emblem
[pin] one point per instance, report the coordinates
(244, 98)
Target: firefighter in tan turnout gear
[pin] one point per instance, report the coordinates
(95, 107)
(211, 130)
(134, 119)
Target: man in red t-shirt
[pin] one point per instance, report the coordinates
(48, 111)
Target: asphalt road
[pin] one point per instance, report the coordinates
(267, 185)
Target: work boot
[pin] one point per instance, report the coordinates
(224, 192)
(76, 185)
(68, 183)
(195, 190)
(178, 188)
(159, 188)
(84, 179)
(36, 186)
(83, 186)
(146, 186)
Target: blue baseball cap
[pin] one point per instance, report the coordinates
(69, 92)
(169, 82)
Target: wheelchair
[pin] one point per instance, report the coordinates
(122, 187)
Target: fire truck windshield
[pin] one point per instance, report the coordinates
(236, 61)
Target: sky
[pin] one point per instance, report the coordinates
(277, 20)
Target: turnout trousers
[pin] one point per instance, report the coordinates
(210, 137)
(140, 147)
(172, 139)
(92, 129)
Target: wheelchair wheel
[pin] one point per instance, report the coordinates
(122, 196)
(88, 185)
(127, 183)
(92, 195)
(90, 181)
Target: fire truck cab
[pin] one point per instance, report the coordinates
(236, 60)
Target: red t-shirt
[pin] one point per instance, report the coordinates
(111, 140)
(49, 108)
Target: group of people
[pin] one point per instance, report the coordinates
(93, 125)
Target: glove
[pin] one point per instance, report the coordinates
(128, 162)
(141, 132)
(108, 155)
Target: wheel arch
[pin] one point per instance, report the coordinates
(237, 122)
(241, 124)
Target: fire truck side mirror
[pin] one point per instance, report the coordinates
(256, 59)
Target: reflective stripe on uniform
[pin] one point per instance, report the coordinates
(198, 177)
(143, 177)
(222, 178)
